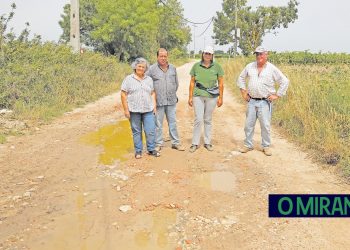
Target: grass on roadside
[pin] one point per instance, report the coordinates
(39, 82)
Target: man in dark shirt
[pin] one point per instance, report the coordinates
(165, 85)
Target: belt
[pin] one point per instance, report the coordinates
(259, 99)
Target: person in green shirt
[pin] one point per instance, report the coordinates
(205, 92)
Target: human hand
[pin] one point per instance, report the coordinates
(245, 96)
(219, 102)
(190, 102)
(127, 114)
(273, 97)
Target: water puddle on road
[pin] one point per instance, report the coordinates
(150, 231)
(116, 141)
(68, 231)
(81, 231)
(223, 181)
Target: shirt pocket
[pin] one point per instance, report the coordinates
(267, 80)
(133, 88)
(172, 82)
(253, 74)
(172, 77)
(158, 77)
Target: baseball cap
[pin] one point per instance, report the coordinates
(260, 49)
(209, 49)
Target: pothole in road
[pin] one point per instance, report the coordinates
(116, 141)
(151, 231)
(223, 181)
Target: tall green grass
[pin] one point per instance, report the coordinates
(316, 110)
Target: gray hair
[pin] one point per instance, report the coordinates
(140, 60)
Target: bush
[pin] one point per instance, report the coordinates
(41, 81)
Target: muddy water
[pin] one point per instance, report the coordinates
(116, 141)
(223, 181)
(150, 231)
(146, 231)
(69, 232)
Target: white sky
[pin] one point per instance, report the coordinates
(322, 24)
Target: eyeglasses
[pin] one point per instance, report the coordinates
(207, 53)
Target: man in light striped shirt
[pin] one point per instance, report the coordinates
(262, 76)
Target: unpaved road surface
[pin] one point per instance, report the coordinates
(61, 190)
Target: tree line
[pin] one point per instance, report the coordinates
(128, 29)
(254, 24)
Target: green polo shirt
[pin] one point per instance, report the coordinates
(206, 76)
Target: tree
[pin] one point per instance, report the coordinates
(254, 24)
(4, 21)
(129, 29)
(173, 31)
(126, 31)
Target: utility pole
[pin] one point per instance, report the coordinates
(74, 26)
(204, 42)
(194, 41)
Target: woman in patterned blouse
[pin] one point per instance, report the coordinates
(139, 104)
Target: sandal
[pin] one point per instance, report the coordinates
(154, 153)
(138, 155)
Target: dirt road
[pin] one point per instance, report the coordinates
(64, 186)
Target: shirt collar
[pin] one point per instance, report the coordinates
(134, 76)
(256, 64)
(161, 67)
(211, 64)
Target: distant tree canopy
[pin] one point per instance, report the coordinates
(253, 24)
(129, 29)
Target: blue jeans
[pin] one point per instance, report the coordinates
(147, 121)
(262, 110)
(170, 113)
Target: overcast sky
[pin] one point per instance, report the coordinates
(322, 25)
